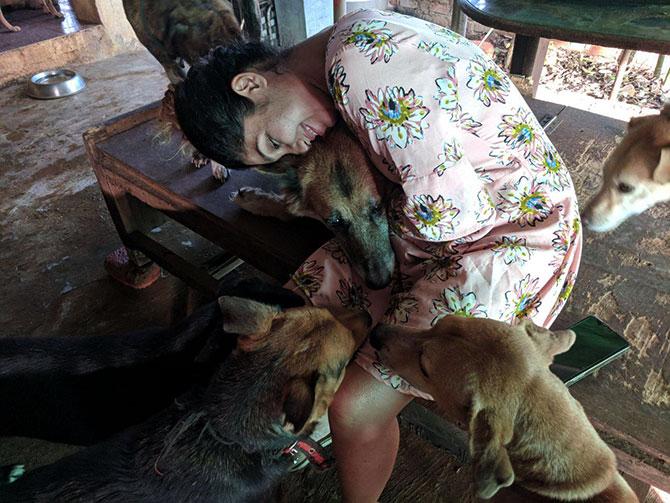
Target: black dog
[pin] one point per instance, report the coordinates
(81, 390)
(222, 440)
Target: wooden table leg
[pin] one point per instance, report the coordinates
(127, 265)
(528, 58)
(459, 21)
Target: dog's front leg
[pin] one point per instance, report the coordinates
(259, 202)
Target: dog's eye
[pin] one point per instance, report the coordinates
(337, 221)
(624, 188)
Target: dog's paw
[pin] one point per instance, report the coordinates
(246, 195)
(220, 172)
(198, 160)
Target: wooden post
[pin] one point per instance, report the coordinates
(624, 58)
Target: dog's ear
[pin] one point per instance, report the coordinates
(297, 402)
(249, 319)
(490, 431)
(306, 399)
(662, 170)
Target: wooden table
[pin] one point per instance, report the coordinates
(622, 279)
(642, 25)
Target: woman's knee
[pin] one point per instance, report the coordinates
(364, 407)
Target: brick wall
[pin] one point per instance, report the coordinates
(436, 11)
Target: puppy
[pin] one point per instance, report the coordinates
(223, 441)
(636, 175)
(336, 184)
(524, 425)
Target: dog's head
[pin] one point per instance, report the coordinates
(636, 175)
(287, 365)
(476, 369)
(336, 183)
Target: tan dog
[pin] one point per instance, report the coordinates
(336, 184)
(636, 175)
(46, 5)
(524, 425)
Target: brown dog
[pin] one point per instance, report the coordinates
(636, 175)
(336, 184)
(524, 425)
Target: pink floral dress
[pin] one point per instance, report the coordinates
(486, 222)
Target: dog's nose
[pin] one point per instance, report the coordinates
(376, 339)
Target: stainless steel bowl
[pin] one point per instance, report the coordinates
(55, 84)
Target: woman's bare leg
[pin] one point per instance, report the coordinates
(365, 434)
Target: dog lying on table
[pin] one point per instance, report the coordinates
(223, 440)
(636, 175)
(336, 184)
(523, 423)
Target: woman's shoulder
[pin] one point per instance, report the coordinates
(377, 36)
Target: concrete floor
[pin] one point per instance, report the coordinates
(55, 231)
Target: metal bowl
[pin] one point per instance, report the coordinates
(55, 84)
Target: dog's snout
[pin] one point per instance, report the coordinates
(380, 275)
(377, 282)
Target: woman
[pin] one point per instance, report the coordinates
(486, 223)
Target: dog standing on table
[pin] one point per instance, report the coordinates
(636, 175)
(336, 184)
(223, 443)
(523, 423)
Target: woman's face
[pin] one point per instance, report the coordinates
(289, 115)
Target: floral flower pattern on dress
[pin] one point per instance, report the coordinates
(452, 152)
(564, 295)
(447, 34)
(433, 216)
(487, 81)
(549, 165)
(401, 307)
(486, 207)
(522, 302)
(404, 173)
(525, 202)
(483, 175)
(352, 295)
(373, 39)
(444, 262)
(397, 116)
(336, 252)
(466, 122)
(336, 86)
(309, 277)
(453, 302)
(518, 132)
(386, 374)
(447, 93)
(439, 50)
(512, 249)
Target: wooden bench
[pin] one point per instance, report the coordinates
(144, 182)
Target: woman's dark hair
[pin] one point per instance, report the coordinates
(209, 112)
